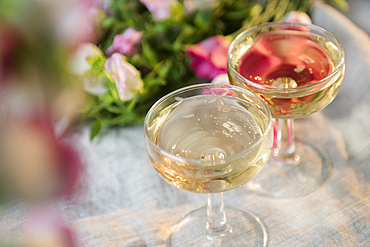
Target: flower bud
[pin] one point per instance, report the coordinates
(125, 75)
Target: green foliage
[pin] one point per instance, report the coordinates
(162, 61)
(342, 4)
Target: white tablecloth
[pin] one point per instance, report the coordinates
(124, 202)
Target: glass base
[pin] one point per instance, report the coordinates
(309, 169)
(244, 229)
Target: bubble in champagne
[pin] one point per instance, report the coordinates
(284, 83)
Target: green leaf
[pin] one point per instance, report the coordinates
(149, 53)
(163, 71)
(203, 18)
(97, 65)
(95, 128)
(187, 32)
(161, 57)
(237, 15)
(114, 109)
(155, 81)
(342, 4)
(8, 8)
(108, 22)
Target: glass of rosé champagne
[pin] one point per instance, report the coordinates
(210, 138)
(297, 69)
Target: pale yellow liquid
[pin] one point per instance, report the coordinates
(214, 143)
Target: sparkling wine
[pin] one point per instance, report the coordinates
(293, 69)
(215, 142)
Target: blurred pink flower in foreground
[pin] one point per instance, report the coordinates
(35, 163)
(209, 57)
(125, 75)
(9, 42)
(299, 17)
(46, 228)
(160, 9)
(125, 43)
(74, 21)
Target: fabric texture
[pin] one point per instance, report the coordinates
(123, 202)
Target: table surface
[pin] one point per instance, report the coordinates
(123, 201)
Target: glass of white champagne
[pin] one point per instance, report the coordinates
(297, 69)
(210, 138)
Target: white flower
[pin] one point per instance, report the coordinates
(125, 75)
(80, 66)
(160, 9)
(221, 79)
(72, 21)
(295, 16)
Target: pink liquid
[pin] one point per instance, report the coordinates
(293, 57)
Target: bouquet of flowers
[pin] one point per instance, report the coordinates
(148, 48)
(39, 103)
(125, 54)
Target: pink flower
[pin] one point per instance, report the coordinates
(10, 40)
(36, 163)
(125, 75)
(45, 227)
(160, 9)
(104, 5)
(192, 5)
(74, 21)
(295, 16)
(125, 43)
(209, 57)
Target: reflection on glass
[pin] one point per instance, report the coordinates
(297, 70)
(210, 139)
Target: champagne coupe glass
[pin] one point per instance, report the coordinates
(210, 138)
(297, 69)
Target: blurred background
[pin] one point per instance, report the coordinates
(40, 110)
(358, 12)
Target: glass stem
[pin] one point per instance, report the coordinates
(285, 143)
(216, 217)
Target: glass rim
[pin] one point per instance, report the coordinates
(269, 126)
(294, 24)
